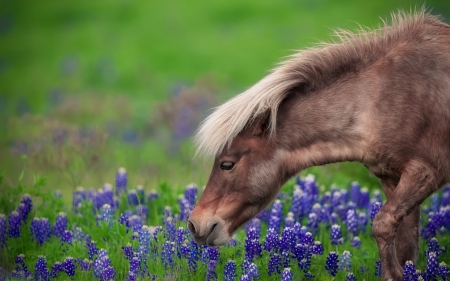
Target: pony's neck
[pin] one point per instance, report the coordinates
(329, 126)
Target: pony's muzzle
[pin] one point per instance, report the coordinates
(213, 232)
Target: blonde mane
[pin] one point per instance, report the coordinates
(315, 68)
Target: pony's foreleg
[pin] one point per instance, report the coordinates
(416, 183)
(407, 238)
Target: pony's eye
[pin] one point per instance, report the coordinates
(227, 165)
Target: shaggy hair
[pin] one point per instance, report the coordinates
(311, 70)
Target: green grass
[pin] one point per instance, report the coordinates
(99, 65)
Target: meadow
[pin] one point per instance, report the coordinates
(88, 87)
(121, 233)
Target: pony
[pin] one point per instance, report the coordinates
(380, 97)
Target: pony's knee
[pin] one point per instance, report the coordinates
(384, 226)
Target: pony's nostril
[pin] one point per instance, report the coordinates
(191, 227)
(214, 226)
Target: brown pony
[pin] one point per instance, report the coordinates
(381, 98)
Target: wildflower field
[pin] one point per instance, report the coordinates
(123, 233)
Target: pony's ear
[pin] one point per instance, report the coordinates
(260, 124)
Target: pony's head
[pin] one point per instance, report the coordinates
(243, 181)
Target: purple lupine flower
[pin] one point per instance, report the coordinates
(434, 203)
(14, 222)
(184, 251)
(78, 196)
(85, 264)
(313, 222)
(108, 195)
(135, 222)
(308, 275)
(376, 206)
(211, 271)
(69, 266)
(25, 210)
(443, 271)
(40, 270)
(256, 224)
(128, 250)
(300, 252)
(377, 196)
(92, 249)
(123, 219)
(190, 193)
(332, 263)
(193, 256)
(305, 261)
(355, 191)
(350, 277)
(446, 197)
(21, 271)
(152, 195)
(67, 237)
(310, 187)
(142, 211)
(435, 222)
(78, 234)
(307, 239)
(333, 218)
(121, 180)
(133, 199)
(144, 237)
(276, 214)
(336, 199)
(100, 264)
(409, 272)
(171, 231)
(287, 239)
(364, 198)
(342, 212)
(213, 253)
(245, 277)
(351, 222)
(336, 235)
(289, 221)
(272, 241)
(356, 242)
(274, 263)
(287, 275)
(3, 232)
(317, 248)
(378, 268)
(317, 209)
(60, 224)
(345, 262)
(40, 230)
(297, 203)
(185, 208)
(56, 268)
(252, 271)
(134, 265)
(433, 246)
(432, 266)
(106, 213)
(167, 254)
(108, 274)
(252, 246)
(362, 222)
(131, 276)
(230, 271)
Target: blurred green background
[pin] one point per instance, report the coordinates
(87, 87)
